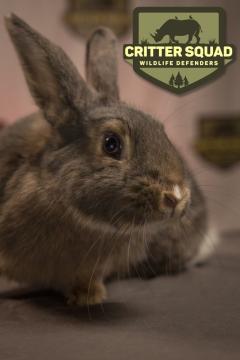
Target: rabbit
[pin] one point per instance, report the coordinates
(89, 186)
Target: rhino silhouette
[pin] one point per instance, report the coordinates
(176, 27)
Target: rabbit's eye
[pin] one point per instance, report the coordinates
(112, 145)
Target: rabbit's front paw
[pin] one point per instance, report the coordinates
(79, 296)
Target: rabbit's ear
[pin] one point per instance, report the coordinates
(53, 80)
(101, 62)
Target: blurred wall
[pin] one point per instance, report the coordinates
(179, 113)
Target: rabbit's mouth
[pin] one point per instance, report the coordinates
(155, 203)
(143, 213)
(142, 204)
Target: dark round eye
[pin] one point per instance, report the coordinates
(112, 145)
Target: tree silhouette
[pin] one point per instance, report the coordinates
(185, 81)
(144, 42)
(179, 80)
(171, 81)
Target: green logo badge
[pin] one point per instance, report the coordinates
(179, 48)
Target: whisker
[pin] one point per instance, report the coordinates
(194, 102)
(204, 236)
(223, 205)
(148, 250)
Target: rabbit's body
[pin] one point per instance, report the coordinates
(43, 240)
(90, 187)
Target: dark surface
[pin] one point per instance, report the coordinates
(195, 315)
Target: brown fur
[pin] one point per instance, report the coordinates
(70, 215)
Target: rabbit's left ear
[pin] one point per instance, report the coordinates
(101, 63)
(53, 80)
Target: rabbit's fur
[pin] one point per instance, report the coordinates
(70, 215)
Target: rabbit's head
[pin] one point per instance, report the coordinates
(113, 163)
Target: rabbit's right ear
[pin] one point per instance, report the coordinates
(101, 63)
(53, 80)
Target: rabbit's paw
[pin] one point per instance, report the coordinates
(92, 296)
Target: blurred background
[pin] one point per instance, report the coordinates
(186, 117)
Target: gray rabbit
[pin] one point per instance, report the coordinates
(90, 187)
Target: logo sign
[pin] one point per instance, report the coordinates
(179, 48)
(82, 16)
(218, 140)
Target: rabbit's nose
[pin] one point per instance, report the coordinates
(176, 198)
(170, 200)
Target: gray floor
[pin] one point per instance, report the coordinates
(195, 315)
